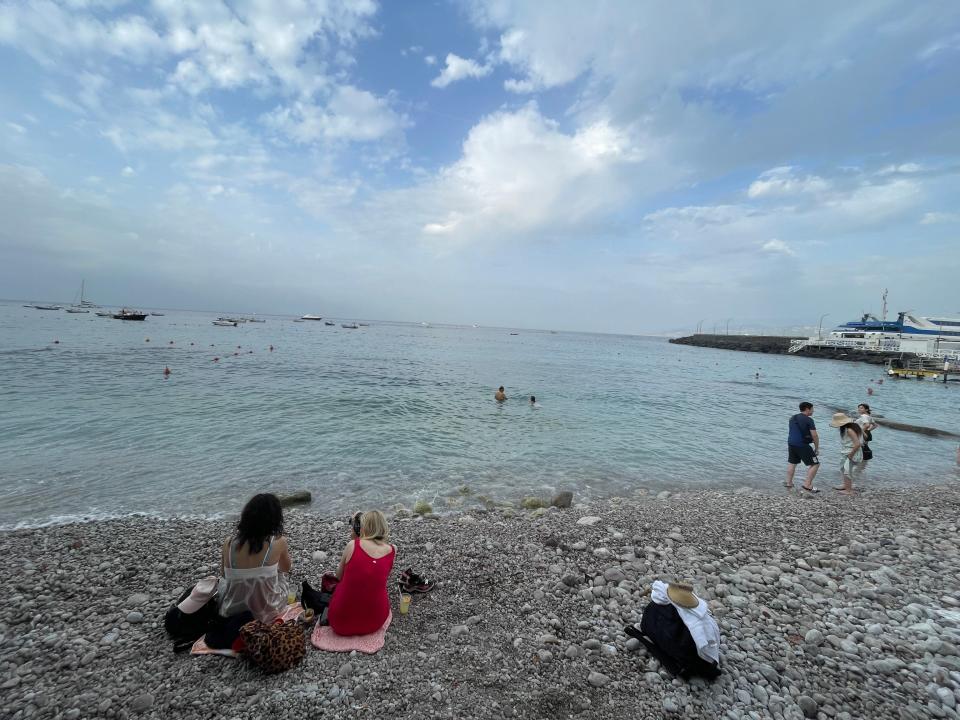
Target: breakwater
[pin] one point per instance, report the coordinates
(780, 345)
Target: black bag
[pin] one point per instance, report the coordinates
(867, 452)
(867, 436)
(187, 628)
(665, 635)
(316, 600)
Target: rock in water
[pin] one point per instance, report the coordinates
(563, 499)
(422, 507)
(296, 498)
(533, 503)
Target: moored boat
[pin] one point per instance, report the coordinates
(77, 310)
(104, 313)
(349, 326)
(125, 314)
(310, 317)
(47, 307)
(225, 323)
(330, 323)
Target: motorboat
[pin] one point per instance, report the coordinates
(330, 323)
(230, 320)
(225, 323)
(364, 324)
(258, 320)
(310, 317)
(125, 314)
(298, 320)
(349, 326)
(77, 310)
(104, 313)
(157, 314)
(48, 307)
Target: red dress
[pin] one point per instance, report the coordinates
(360, 604)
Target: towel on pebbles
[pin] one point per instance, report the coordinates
(324, 638)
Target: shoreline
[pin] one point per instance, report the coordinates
(829, 607)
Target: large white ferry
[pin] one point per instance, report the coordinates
(908, 333)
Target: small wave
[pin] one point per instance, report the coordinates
(25, 351)
(96, 517)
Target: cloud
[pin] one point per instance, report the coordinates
(937, 218)
(349, 114)
(781, 182)
(128, 171)
(458, 68)
(777, 247)
(20, 129)
(430, 59)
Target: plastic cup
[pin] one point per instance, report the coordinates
(291, 598)
(405, 603)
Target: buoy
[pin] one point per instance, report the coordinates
(271, 348)
(191, 343)
(249, 352)
(171, 342)
(211, 344)
(238, 347)
(147, 340)
(216, 359)
(56, 342)
(166, 371)
(235, 354)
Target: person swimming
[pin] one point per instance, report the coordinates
(533, 402)
(500, 395)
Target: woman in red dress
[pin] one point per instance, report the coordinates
(360, 604)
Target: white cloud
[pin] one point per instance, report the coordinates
(782, 182)
(777, 247)
(349, 114)
(128, 171)
(430, 59)
(458, 68)
(936, 218)
(16, 128)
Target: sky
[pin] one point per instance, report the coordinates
(635, 167)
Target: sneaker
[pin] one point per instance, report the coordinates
(410, 582)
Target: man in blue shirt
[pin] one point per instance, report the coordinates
(803, 444)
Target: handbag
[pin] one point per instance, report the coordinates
(867, 452)
(274, 648)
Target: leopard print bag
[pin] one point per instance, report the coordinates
(276, 647)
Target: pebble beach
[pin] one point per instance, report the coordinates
(829, 607)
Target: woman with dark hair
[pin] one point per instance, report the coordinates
(851, 449)
(255, 562)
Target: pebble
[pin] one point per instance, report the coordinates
(134, 617)
(589, 520)
(597, 679)
(458, 630)
(141, 703)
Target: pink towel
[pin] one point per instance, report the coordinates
(325, 638)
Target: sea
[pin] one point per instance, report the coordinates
(91, 427)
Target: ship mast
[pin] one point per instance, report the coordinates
(883, 315)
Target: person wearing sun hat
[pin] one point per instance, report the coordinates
(851, 450)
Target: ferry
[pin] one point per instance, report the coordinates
(908, 333)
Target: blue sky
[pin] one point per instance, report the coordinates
(610, 166)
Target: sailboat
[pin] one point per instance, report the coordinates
(84, 305)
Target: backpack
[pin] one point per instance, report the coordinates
(665, 635)
(187, 628)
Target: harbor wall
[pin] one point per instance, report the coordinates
(779, 345)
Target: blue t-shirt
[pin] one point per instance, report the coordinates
(800, 427)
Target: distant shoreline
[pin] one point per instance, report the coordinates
(780, 345)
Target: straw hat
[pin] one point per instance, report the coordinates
(682, 595)
(840, 419)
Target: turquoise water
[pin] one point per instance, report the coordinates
(399, 412)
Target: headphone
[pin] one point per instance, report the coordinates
(356, 523)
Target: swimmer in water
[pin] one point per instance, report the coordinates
(533, 402)
(500, 396)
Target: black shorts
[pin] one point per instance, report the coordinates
(805, 453)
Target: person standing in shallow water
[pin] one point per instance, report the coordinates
(500, 395)
(803, 444)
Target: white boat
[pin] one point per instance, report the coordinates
(77, 310)
(104, 313)
(83, 302)
(349, 326)
(310, 317)
(157, 314)
(364, 324)
(48, 307)
(225, 323)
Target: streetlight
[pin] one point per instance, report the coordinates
(728, 325)
(700, 326)
(820, 324)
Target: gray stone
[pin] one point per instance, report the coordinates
(808, 706)
(589, 520)
(597, 679)
(138, 599)
(632, 644)
(562, 499)
(670, 705)
(458, 630)
(141, 703)
(134, 617)
(614, 575)
(813, 637)
(346, 670)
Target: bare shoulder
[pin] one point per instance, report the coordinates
(348, 550)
